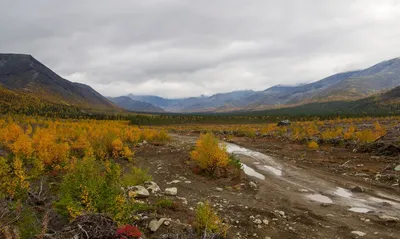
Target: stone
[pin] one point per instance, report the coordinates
(219, 189)
(389, 218)
(257, 221)
(138, 192)
(357, 189)
(174, 181)
(253, 185)
(152, 187)
(171, 191)
(155, 224)
(358, 233)
(265, 221)
(397, 168)
(188, 182)
(167, 222)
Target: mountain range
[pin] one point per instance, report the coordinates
(344, 86)
(32, 85)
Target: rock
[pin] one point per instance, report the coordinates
(188, 182)
(282, 213)
(167, 222)
(152, 187)
(267, 238)
(253, 185)
(389, 218)
(358, 233)
(265, 221)
(144, 142)
(155, 224)
(257, 221)
(171, 191)
(138, 192)
(219, 189)
(284, 123)
(174, 181)
(397, 168)
(357, 189)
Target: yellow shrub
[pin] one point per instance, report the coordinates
(117, 147)
(207, 221)
(22, 147)
(313, 145)
(365, 136)
(209, 154)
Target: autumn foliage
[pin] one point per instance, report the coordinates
(209, 154)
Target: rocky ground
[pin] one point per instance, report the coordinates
(288, 191)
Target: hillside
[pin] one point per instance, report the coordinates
(24, 74)
(387, 103)
(132, 105)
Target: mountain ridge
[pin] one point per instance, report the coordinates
(23, 73)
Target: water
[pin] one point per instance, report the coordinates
(359, 209)
(343, 192)
(320, 198)
(251, 172)
(273, 170)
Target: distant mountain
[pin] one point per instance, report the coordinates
(24, 74)
(193, 104)
(134, 105)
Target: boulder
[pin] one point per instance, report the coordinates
(152, 187)
(155, 224)
(171, 191)
(357, 189)
(284, 123)
(138, 192)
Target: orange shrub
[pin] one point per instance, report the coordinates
(208, 154)
(313, 145)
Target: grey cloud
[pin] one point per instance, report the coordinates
(181, 48)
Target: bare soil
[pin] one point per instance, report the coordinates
(290, 175)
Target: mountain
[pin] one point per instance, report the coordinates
(386, 103)
(193, 104)
(133, 105)
(25, 75)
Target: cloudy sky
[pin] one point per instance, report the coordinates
(180, 48)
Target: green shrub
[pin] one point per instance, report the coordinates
(95, 186)
(136, 176)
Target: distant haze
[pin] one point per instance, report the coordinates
(181, 48)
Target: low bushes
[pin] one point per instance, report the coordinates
(212, 158)
(207, 221)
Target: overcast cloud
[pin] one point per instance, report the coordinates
(180, 48)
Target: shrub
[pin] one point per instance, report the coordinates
(365, 136)
(207, 221)
(136, 176)
(208, 154)
(313, 145)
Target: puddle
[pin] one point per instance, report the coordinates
(359, 209)
(320, 198)
(343, 192)
(273, 170)
(251, 172)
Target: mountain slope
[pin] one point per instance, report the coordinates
(24, 74)
(387, 103)
(132, 105)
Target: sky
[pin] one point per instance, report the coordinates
(182, 48)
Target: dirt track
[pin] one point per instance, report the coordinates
(297, 200)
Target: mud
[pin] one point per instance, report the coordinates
(302, 194)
